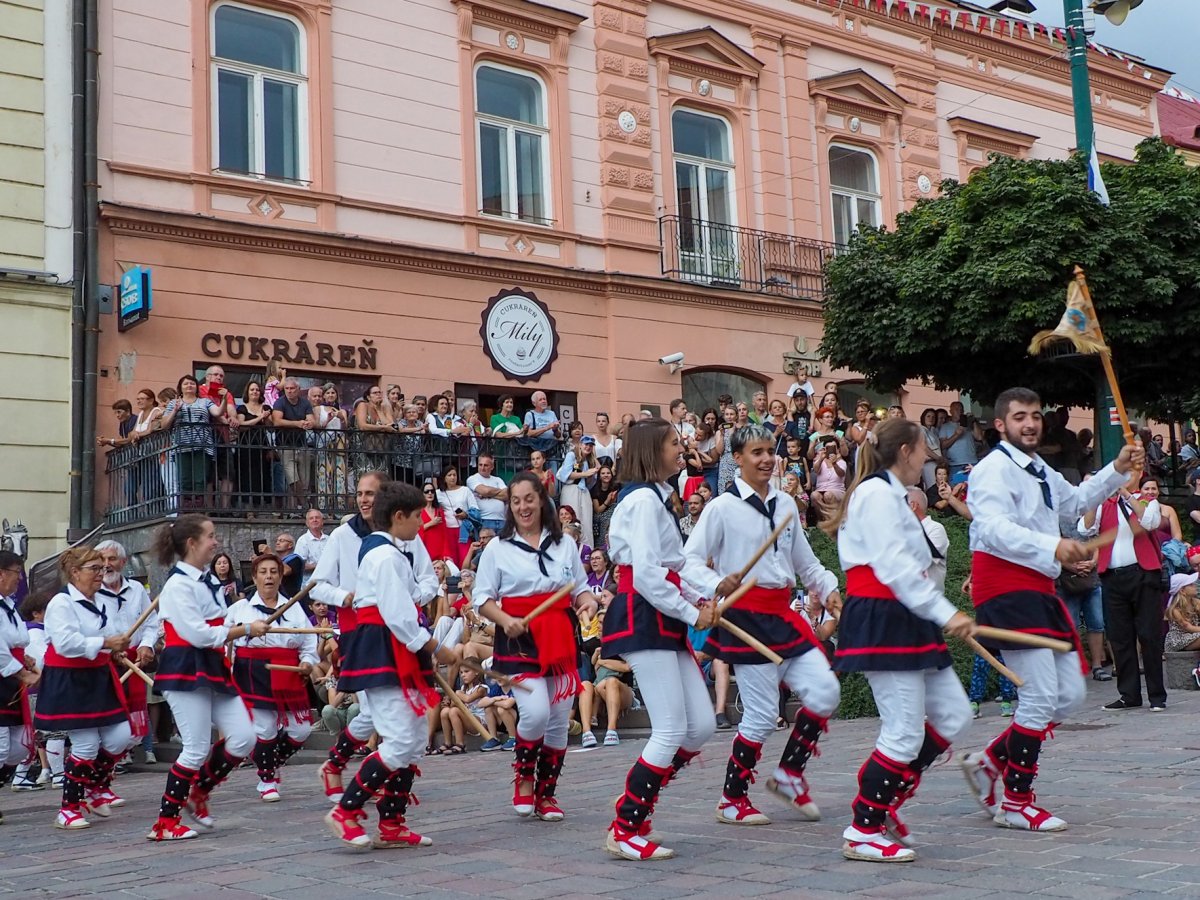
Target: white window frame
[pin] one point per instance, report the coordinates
(511, 127)
(257, 73)
(706, 265)
(854, 196)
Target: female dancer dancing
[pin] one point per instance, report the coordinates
(194, 676)
(518, 572)
(277, 698)
(891, 630)
(80, 691)
(658, 596)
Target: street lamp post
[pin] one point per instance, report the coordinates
(1108, 436)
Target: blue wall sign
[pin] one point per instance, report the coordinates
(136, 298)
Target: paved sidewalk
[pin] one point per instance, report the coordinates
(1125, 781)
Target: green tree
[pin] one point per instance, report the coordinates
(953, 295)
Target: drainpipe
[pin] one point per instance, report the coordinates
(78, 253)
(91, 293)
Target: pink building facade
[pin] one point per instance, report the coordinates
(345, 185)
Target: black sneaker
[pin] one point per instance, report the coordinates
(1157, 707)
(1101, 674)
(723, 723)
(1120, 704)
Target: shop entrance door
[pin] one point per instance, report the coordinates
(564, 403)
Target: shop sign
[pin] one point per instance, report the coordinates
(300, 352)
(519, 335)
(135, 299)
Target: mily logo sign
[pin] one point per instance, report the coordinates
(519, 335)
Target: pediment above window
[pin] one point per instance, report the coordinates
(524, 15)
(706, 53)
(991, 138)
(859, 94)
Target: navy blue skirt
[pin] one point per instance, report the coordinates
(11, 704)
(71, 699)
(779, 634)
(193, 669)
(1029, 611)
(374, 661)
(876, 635)
(633, 624)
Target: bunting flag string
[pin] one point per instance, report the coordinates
(934, 15)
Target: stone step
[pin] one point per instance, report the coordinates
(1178, 668)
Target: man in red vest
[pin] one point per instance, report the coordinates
(1131, 583)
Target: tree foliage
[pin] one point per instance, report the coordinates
(954, 293)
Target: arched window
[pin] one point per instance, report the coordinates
(702, 388)
(514, 144)
(854, 185)
(260, 91)
(704, 195)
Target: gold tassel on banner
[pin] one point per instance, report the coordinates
(1077, 325)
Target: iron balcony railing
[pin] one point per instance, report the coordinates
(253, 473)
(743, 259)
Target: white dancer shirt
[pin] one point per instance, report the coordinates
(730, 531)
(1011, 518)
(507, 570)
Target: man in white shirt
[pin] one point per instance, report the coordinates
(1132, 590)
(686, 430)
(313, 542)
(935, 533)
(491, 492)
(1017, 503)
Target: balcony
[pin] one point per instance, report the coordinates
(742, 259)
(241, 476)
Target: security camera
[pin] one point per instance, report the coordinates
(673, 359)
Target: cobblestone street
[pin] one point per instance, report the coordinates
(1124, 781)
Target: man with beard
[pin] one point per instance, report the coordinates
(130, 599)
(1018, 502)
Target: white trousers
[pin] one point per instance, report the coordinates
(906, 699)
(362, 726)
(197, 712)
(676, 697)
(116, 739)
(12, 751)
(401, 731)
(808, 675)
(1054, 686)
(266, 726)
(540, 718)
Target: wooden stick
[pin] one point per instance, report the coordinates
(136, 671)
(1000, 667)
(1104, 539)
(548, 603)
(751, 641)
(294, 630)
(124, 678)
(141, 620)
(278, 667)
(472, 720)
(1027, 640)
(787, 520)
(736, 596)
(300, 595)
(505, 681)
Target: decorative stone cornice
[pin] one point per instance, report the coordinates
(191, 229)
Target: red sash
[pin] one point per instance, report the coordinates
(554, 636)
(861, 582)
(347, 619)
(28, 740)
(172, 638)
(992, 576)
(413, 681)
(54, 658)
(287, 688)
